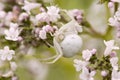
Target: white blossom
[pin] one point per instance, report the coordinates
(13, 25)
(113, 21)
(6, 54)
(115, 75)
(2, 15)
(8, 18)
(53, 13)
(114, 62)
(42, 34)
(110, 5)
(117, 14)
(23, 16)
(86, 54)
(104, 73)
(109, 47)
(13, 66)
(86, 75)
(28, 6)
(42, 17)
(79, 64)
(12, 33)
(47, 28)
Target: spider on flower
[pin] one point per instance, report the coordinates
(67, 42)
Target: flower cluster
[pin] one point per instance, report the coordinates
(27, 24)
(108, 64)
(115, 20)
(32, 22)
(7, 58)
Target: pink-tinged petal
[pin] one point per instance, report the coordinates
(109, 47)
(9, 57)
(42, 34)
(92, 73)
(109, 43)
(86, 54)
(6, 32)
(6, 48)
(3, 57)
(12, 52)
(14, 25)
(104, 73)
(48, 28)
(107, 51)
(13, 66)
(79, 64)
(110, 4)
(115, 75)
(114, 62)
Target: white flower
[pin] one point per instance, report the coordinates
(117, 15)
(12, 33)
(109, 47)
(2, 15)
(8, 18)
(76, 12)
(13, 66)
(86, 54)
(86, 75)
(42, 17)
(13, 25)
(110, 5)
(6, 54)
(114, 62)
(47, 28)
(23, 16)
(79, 64)
(104, 73)
(42, 34)
(113, 21)
(115, 75)
(28, 6)
(53, 13)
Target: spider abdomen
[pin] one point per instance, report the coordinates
(71, 45)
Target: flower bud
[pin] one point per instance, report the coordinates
(103, 73)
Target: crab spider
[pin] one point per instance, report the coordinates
(66, 41)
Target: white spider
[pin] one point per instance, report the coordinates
(66, 41)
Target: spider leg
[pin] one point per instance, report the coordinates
(58, 51)
(46, 59)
